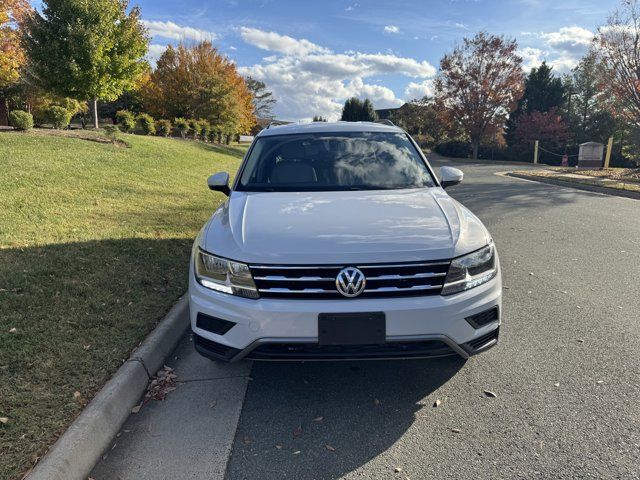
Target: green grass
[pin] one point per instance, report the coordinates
(94, 247)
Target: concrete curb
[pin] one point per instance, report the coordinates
(580, 186)
(75, 453)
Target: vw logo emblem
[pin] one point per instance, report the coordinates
(350, 282)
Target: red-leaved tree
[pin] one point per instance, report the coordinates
(479, 84)
(548, 127)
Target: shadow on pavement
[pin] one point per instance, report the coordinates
(365, 407)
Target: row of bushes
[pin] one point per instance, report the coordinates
(56, 115)
(198, 129)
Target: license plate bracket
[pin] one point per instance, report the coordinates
(361, 328)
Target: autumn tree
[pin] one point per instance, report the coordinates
(263, 100)
(356, 110)
(420, 119)
(618, 52)
(547, 127)
(12, 58)
(86, 50)
(198, 82)
(479, 84)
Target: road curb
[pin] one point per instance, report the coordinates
(580, 186)
(75, 453)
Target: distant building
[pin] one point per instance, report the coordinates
(262, 123)
(385, 113)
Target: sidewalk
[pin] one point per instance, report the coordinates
(187, 435)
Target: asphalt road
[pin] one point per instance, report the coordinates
(571, 269)
(566, 372)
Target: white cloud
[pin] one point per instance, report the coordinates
(176, 32)
(561, 49)
(155, 50)
(308, 79)
(461, 25)
(274, 42)
(569, 39)
(417, 90)
(391, 29)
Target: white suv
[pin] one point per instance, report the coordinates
(338, 241)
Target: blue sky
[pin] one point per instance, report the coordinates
(314, 54)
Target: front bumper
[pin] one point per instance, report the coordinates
(285, 329)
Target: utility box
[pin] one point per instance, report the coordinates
(590, 155)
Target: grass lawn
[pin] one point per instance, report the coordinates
(94, 247)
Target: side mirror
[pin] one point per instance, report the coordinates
(220, 183)
(450, 176)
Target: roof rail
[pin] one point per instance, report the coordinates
(272, 124)
(385, 121)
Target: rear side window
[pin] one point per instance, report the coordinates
(334, 161)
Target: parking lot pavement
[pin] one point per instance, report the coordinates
(188, 434)
(566, 373)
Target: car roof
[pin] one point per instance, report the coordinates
(326, 127)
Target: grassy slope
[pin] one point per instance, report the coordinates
(94, 246)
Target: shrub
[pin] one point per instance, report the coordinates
(204, 129)
(181, 126)
(60, 117)
(163, 128)
(126, 120)
(112, 132)
(21, 120)
(146, 124)
(454, 148)
(194, 128)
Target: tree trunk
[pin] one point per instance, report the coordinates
(95, 114)
(475, 144)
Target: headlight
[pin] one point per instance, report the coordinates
(224, 275)
(471, 270)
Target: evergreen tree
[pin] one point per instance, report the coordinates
(543, 91)
(356, 110)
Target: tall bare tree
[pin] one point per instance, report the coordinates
(479, 84)
(618, 50)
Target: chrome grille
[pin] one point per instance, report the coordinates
(319, 281)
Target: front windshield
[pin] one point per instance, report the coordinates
(334, 161)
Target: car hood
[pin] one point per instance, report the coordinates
(342, 227)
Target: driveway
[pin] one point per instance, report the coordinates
(566, 373)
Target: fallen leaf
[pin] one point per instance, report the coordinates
(556, 384)
(455, 430)
(13, 330)
(318, 419)
(296, 452)
(77, 395)
(437, 403)
(580, 340)
(600, 382)
(86, 347)
(329, 447)
(376, 402)
(490, 394)
(279, 447)
(136, 409)
(4, 420)
(246, 440)
(397, 469)
(531, 273)
(298, 431)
